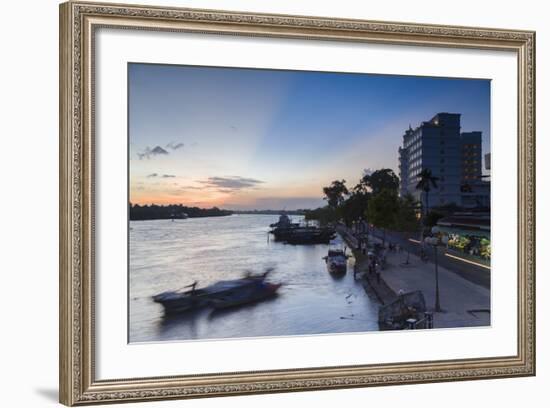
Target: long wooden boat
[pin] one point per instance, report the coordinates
(254, 292)
(248, 289)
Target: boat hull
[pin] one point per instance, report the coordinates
(249, 295)
(220, 294)
(181, 305)
(303, 235)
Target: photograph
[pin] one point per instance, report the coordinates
(269, 201)
(265, 202)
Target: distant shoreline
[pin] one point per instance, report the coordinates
(172, 212)
(213, 216)
(179, 218)
(147, 212)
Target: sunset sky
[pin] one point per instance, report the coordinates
(267, 139)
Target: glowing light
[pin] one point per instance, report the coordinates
(468, 261)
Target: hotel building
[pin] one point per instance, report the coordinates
(453, 157)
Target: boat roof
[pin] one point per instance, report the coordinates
(225, 285)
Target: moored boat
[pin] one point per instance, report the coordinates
(284, 222)
(337, 261)
(293, 233)
(309, 235)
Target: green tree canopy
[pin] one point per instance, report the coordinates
(325, 215)
(382, 209)
(379, 180)
(354, 207)
(405, 218)
(432, 217)
(335, 193)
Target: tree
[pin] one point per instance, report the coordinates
(325, 215)
(382, 210)
(334, 194)
(354, 207)
(425, 183)
(405, 219)
(383, 179)
(432, 217)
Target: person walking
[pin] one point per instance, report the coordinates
(371, 264)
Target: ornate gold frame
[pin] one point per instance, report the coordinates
(78, 21)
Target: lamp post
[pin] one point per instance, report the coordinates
(434, 241)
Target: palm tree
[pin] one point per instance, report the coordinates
(425, 183)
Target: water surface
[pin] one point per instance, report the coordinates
(167, 255)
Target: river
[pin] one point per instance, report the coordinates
(167, 255)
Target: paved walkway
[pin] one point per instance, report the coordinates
(477, 274)
(464, 303)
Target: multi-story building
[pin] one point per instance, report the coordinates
(471, 157)
(488, 161)
(453, 157)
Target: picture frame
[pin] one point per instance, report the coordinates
(79, 22)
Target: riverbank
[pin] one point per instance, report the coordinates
(376, 287)
(464, 303)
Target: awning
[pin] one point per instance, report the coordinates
(463, 232)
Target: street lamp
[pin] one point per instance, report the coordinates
(434, 241)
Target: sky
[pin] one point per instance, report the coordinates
(271, 139)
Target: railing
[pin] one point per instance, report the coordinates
(427, 322)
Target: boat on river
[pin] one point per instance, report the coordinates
(177, 301)
(309, 235)
(294, 233)
(284, 222)
(250, 288)
(254, 292)
(337, 261)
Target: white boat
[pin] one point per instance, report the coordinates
(337, 261)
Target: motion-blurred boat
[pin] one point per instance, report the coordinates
(253, 291)
(250, 288)
(182, 301)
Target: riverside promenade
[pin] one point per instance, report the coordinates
(464, 303)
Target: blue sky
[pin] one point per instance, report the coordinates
(250, 138)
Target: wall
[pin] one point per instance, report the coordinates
(28, 208)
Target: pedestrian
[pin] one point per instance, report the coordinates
(371, 265)
(377, 275)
